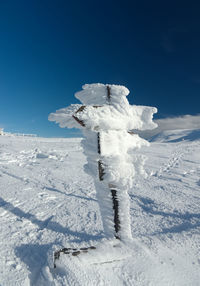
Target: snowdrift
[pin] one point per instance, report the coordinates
(50, 200)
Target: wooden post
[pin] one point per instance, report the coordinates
(113, 192)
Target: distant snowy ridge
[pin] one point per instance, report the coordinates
(184, 122)
(176, 136)
(19, 134)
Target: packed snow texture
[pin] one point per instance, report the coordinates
(47, 201)
(109, 115)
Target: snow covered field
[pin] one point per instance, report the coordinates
(47, 202)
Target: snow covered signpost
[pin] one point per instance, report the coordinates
(106, 120)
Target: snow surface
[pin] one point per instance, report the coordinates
(47, 201)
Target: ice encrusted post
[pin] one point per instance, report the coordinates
(107, 120)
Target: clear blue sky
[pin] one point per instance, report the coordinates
(49, 49)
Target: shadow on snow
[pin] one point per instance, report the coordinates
(35, 257)
(189, 220)
(46, 224)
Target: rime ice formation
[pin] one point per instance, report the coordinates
(106, 119)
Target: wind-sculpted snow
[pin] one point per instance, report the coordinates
(118, 116)
(46, 199)
(64, 117)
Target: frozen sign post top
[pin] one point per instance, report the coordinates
(106, 119)
(115, 112)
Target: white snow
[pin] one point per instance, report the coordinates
(47, 201)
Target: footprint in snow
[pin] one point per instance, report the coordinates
(42, 156)
(46, 196)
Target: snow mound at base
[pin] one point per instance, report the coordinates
(105, 252)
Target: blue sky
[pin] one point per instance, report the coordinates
(49, 49)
